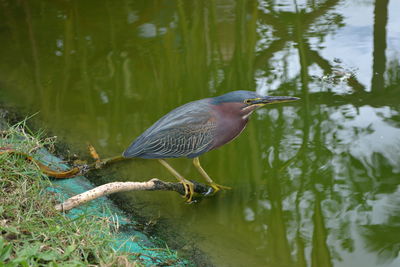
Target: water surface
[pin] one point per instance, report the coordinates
(315, 183)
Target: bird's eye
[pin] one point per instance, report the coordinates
(247, 101)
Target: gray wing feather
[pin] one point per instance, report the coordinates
(187, 131)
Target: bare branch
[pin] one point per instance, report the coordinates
(110, 188)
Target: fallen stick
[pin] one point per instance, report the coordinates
(110, 188)
(72, 172)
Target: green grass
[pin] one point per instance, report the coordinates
(33, 233)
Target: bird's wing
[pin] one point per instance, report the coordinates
(187, 131)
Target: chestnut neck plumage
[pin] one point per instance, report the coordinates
(232, 118)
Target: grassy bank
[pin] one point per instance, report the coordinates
(32, 232)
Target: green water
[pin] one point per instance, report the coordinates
(315, 183)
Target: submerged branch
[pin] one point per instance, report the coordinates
(110, 188)
(61, 174)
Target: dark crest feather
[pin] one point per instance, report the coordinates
(235, 96)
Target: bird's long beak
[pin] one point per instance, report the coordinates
(271, 100)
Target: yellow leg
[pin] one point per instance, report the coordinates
(188, 185)
(215, 186)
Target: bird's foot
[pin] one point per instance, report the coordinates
(216, 187)
(189, 190)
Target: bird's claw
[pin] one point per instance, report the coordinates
(189, 190)
(217, 187)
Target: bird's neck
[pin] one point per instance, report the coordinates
(234, 111)
(245, 112)
(230, 123)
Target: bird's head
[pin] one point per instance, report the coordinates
(247, 101)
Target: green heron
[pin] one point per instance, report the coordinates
(198, 127)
